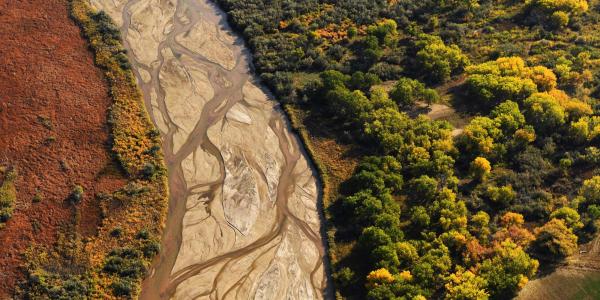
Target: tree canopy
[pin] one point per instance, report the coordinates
(456, 205)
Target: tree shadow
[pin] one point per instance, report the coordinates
(463, 103)
(322, 125)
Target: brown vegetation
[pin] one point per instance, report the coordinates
(334, 160)
(53, 127)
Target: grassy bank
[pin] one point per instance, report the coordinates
(113, 263)
(333, 167)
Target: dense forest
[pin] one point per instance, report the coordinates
(437, 208)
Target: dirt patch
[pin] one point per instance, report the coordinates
(53, 127)
(578, 278)
(444, 112)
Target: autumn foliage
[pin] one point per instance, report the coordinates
(112, 263)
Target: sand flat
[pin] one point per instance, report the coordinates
(244, 220)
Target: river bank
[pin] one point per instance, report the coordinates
(244, 220)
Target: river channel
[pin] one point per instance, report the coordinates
(244, 219)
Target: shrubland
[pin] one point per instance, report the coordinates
(112, 263)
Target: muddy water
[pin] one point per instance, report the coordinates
(243, 218)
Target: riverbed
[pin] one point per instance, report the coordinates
(244, 219)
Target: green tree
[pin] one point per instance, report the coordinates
(389, 221)
(385, 256)
(442, 164)
(352, 32)
(503, 195)
(559, 19)
(345, 277)
(555, 239)
(431, 96)
(569, 216)
(507, 271)
(423, 189)
(480, 136)
(385, 172)
(380, 292)
(333, 79)
(365, 207)
(385, 31)
(419, 217)
(407, 253)
(76, 194)
(373, 237)
(489, 89)
(479, 224)
(365, 180)
(436, 60)
(464, 285)
(407, 91)
(363, 81)
(433, 267)
(381, 99)
(590, 190)
(348, 105)
(574, 6)
(580, 131)
(387, 128)
(372, 50)
(544, 112)
(585, 129)
(450, 213)
(8, 194)
(508, 116)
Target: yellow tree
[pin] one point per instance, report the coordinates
(378, 277)
(555, 239)
(465, 285)
(480, 168)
